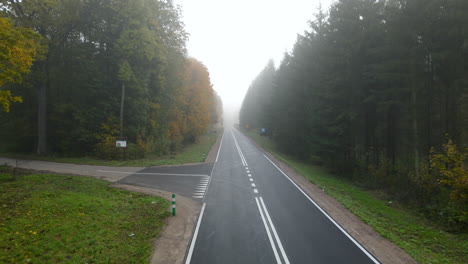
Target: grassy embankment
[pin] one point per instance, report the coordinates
(403, 226)
(191, 154)
(67, 219)
(70, 219)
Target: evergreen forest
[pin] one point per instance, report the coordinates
(377, 92)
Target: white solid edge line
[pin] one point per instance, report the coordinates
(220, 144)
(278, 241)
(204, 186)
(237, 147)
(155, 173)
(171, 174)
(194, 238)
(244, 162)
(328, 216)
(214, 165)
(240, 150)
(122, 172)
(275, 251)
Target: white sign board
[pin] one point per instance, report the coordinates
(121, 143)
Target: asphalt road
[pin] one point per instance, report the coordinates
(188, 180)
(253, 213)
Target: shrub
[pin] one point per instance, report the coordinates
(451, 168)
(105, 148)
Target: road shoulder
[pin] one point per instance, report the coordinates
(170, 247)
(211, 157)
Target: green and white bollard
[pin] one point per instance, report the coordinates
(173, 204)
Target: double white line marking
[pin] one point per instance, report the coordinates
(269, 227)
(264, 212)
(244, 162)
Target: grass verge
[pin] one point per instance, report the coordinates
(69, 219)
(403, 226)
(190, 154)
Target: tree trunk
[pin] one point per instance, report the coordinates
(42, 111)
(415, 128)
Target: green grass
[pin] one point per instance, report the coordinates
(70, 219)
(191, 154)
(403, 226)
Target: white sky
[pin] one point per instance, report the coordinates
(235, 39)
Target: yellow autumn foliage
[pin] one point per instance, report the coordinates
(18, 48)
(452, 167)
(190, 115)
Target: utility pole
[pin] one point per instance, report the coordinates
(121, 109)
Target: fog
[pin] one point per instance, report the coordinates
(236, 39)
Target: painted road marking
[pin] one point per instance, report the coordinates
(278, 241)
(244, 162)
(328, 216)
(219, 150)
(194, 238)
(255, 191)
(250, 179)
(201, 189)
(154, 173)
(253, 184)
(216, 162)
(275, 251)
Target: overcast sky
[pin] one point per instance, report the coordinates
(235, 39)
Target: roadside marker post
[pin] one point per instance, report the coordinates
(173, 205)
